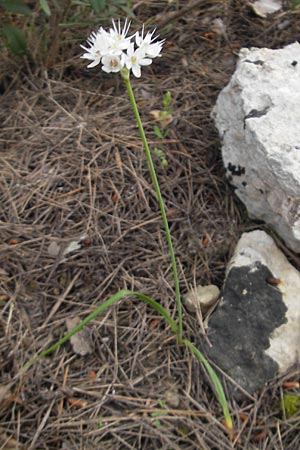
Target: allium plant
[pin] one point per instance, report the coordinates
(116, 52)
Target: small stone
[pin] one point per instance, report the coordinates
(203, 297)
(54, 249)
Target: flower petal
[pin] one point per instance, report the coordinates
(136, 71)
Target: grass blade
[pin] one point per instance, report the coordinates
(45, 7)
(216, 382)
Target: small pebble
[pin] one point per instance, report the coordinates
(203, 297)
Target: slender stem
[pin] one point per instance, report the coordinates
(125, 75)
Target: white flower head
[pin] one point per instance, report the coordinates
(115, 50)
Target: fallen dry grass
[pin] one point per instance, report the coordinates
(72, 169)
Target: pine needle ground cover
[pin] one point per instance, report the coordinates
(80, 221)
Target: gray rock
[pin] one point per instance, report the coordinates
(258, 118)
(255, 331)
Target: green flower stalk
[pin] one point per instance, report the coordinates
(126, 76)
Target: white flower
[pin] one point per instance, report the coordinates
(118, 37)
(112, 63)
(99, 46)
(135, 59)
(115, 50)
(151, 48)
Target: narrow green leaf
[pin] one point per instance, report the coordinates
(16, 7)
(80, 3)
(216, 382)
(158, 132)
(113, 299)
(128, 11)
(167, 99)
(98, 5)
(45, 7)
(162, 403)
(15, 40)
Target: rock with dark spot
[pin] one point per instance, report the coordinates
(255, 331)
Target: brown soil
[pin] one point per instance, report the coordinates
(73, 168)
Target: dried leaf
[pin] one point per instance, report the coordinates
(260, 436)
(77, 402)
(291, 384)
(161, 117)
(74, 245)
(219, 27)
(119, 161)
(8, 397)
(80, 341)
(13, 241)
(264, 7)
(153, 324)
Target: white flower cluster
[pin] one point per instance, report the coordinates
(114, 50)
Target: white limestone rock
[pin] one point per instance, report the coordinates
(255, 331)
(258, 118)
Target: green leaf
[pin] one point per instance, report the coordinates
(169, 111)
(128, 11)
(113, 299)
(158, 132)
(98, 5)
(162, 156)
(167, 98)
(16, 7)
(215, 380)
(15, 40)
(162, 403)
(45, 7)
(80, 3)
